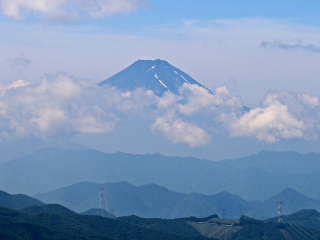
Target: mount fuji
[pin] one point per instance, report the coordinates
(156, 75)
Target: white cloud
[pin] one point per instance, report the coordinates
(168, 99)
(16, 84)
(61, 87)
(19, 83)
(91, 125)
(61, 106)
(309, 100)
(48, 118)
(58, 106)
(180, 131)
(197, 105)
(281, 115)
(198, 98)
(68, 10)
(271, 122)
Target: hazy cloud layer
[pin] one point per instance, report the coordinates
(68, 10)
(21, 61)
(286, 46)
(309, 100)
(61, 106)
(19, 83)
(20, 64)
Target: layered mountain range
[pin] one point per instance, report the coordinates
(49, 169)
(54, 221)
(154, 201)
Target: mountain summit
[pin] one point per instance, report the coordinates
(156, 75)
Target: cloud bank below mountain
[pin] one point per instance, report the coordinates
(62, 106)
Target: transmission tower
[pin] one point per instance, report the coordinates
(103, 202)
(224, 213)
(280, 211)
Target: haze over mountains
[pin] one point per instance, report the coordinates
(54, 168)
(153, 201)
(280, 163)
(11, 149)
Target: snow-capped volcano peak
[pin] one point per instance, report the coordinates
(157, 75)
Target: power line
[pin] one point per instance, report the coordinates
(295, 228)
(289, 218)
(299, 224)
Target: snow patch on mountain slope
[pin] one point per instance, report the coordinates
(163, 84)
(151, 68)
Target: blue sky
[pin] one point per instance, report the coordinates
(172, 12)
(266, 53)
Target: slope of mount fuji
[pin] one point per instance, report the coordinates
(158, 76)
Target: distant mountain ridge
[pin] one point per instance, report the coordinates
(153, 201)
(55, 168)
(157, 75)
(11, 149)
(147, 201)
(17, 201)
(280, 163)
